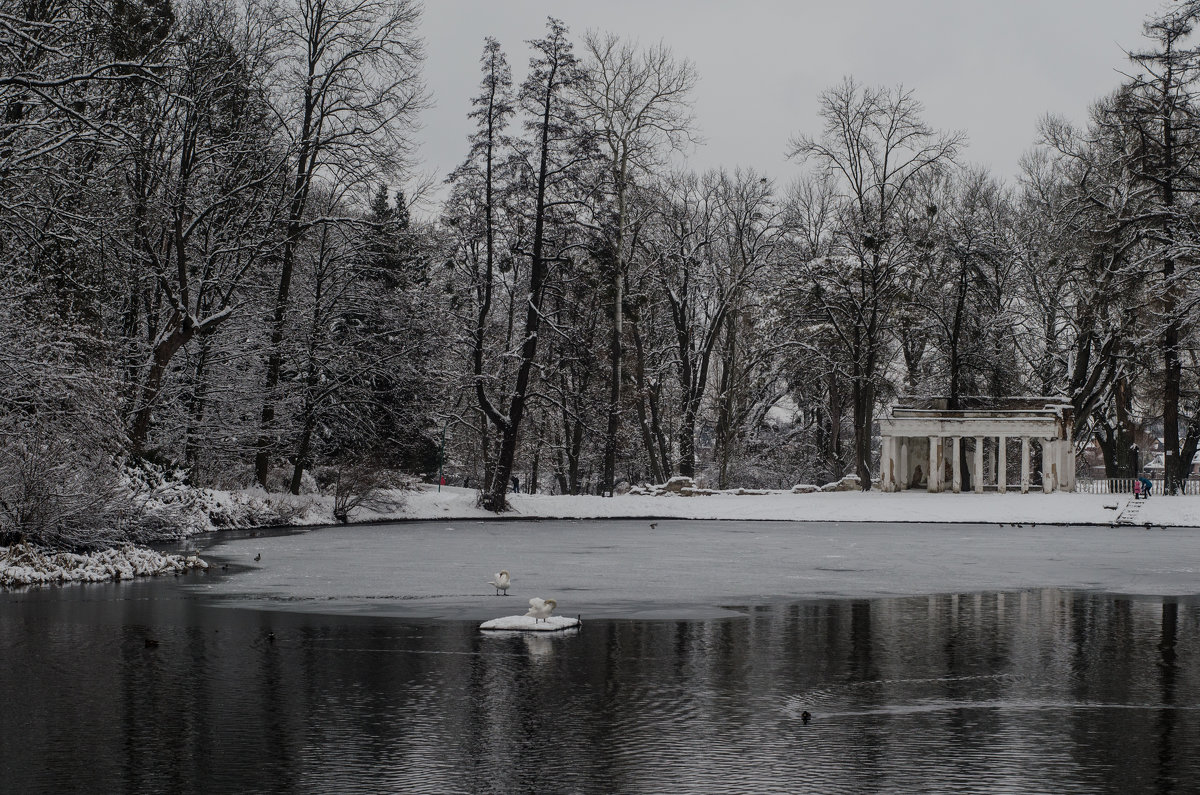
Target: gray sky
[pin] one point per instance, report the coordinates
(988, 67)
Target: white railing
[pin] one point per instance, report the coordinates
(1125, 486)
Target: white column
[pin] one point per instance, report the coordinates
(1001, 463)
(887, 463)
(1048, 466)
(904, 463)
(956, 465)
(1024, 464)
(979, 465)
(935, 459)
(1067, 470)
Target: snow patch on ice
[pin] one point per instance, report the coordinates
(529, 624)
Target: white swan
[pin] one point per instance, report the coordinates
(501, 582)
(541, 608)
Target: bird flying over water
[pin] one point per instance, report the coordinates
(501, 582)
(540, 609)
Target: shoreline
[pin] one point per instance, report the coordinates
(427, 504)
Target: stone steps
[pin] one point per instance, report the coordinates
(1130, 513)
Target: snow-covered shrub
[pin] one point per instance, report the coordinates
(361, 485)
(308, 484)
(60, 435)
(228, 510)
(57, 491)
(31, 564)
(170, 508)
(167, 506)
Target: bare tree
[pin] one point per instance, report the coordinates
(1080, 249)
(349, 95)
(1165, 116)
(475, 210)
(542, 178)
(638, 103)
(201, 177)
(877, 146)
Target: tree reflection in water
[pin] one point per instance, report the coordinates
(1041, 690)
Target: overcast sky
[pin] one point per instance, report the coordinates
(990, 68)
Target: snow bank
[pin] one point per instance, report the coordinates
(167, 507)
(26, 564)
(528, 624)
(800, 505)
(206, 510)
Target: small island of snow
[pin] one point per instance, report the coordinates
(527, 623)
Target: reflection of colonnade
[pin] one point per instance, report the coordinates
(925, 444)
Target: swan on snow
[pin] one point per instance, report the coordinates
(540, 609)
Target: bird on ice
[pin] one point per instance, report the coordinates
(501, 582)
(540, 609)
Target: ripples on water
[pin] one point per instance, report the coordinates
(132, 688)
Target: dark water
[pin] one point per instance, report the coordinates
(139, 687)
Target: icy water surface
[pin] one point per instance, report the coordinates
(221, 683)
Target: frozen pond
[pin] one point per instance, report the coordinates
(932, 659)
(683, 569)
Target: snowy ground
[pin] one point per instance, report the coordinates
(848, 506)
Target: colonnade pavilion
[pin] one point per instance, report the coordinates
(927, 444)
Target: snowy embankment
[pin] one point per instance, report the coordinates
(844, 506)
(209, 511)
(25, 564)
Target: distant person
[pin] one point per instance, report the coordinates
(1147, 486)
(516, 485)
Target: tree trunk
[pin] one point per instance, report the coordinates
(644, 396)
(532, 486)
(191, 451)
(183, 331)
(615, 351)
(262, 457)
(833, 449)
(659, 436)
(1175, 467)
(725, 401)
(614, 393)
(303, 449)
(862, 395)
(687, 441)
(533, 314)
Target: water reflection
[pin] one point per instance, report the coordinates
(133, 688)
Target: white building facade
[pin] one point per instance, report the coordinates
(982, 444)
